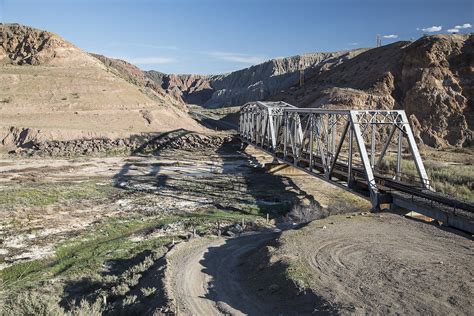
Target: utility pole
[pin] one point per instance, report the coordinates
(301, 73)
(379, 40)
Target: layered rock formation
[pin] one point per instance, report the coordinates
(263, 80)
(138, 77)
(191, 89)
(52, 90)
(431, 78)
(254, 83)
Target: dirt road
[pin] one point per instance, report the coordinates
(384, 264)
(204, 279)
(348, 264)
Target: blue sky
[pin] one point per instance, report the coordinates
(216, 36)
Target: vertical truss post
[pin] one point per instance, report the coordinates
(399, 155)
(415, 153)
(333, 134)
(372, 145)
(349, 159)
(295, 141)
(311, 132)
(374, 192)
(285, 135)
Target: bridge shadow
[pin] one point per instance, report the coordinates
(213, 180)
(220, 180)
(225, 178)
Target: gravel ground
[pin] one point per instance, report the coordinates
(383, 264)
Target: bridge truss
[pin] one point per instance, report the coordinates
(364, 151)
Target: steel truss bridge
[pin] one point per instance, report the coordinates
(362, 151)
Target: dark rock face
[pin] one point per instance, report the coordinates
(431, 78)
(25, 45)
(191, 89)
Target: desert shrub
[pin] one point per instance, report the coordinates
(129, 300)
(147, 291)
(307, 213)
(32, 303)
(453, 180)
(86, 308)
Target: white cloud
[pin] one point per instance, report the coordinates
(353, 44)
(453, 30)
(464, 26)
(390, 36)
(156, 60)
(432, 29)
(238, 58)
(142, 45)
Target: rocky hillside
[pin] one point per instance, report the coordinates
(263, 80)
(254, 83)
(140, 78)
(431, 78)
(191, 89)
(52, 90)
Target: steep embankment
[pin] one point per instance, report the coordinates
(431, 78)
(136, 76)
(191, 89)
(263, 80)
(254, 83)
(50, 89)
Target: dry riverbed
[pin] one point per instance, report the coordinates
(89, 234)
(159, 233)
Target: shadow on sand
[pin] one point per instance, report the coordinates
(254, 285)
(264, 192)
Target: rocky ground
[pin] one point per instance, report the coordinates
(140, 144)
(91, 232)
(97, 233)
(377, 264)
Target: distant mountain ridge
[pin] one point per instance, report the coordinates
(253, 83)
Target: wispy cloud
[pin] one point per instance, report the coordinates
(353, 44)
(143, 45)
(238, 58)
(453, 30)
(154, 60)
(464, 26)
(431, 29)
(390, 36)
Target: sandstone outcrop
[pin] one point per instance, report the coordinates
(261, 81)
(431, 78)
(191, 89)
(52, 90)
(254, 83)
